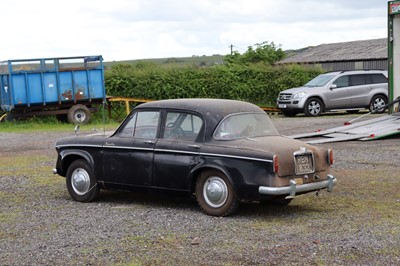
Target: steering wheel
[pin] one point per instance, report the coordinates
(175, 131)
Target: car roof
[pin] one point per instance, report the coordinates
(366, 71)
(219, 107)
(213, 110)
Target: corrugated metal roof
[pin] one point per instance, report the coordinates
(344, 51)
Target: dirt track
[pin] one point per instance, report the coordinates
(357, 224)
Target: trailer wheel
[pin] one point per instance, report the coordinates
(78, 114)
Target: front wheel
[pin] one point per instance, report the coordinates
(214, 194)
(377, 102)
(81, 182)
(313, 107)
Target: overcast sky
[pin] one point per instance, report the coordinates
(140, 29)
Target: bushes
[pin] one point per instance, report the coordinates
(255, 83)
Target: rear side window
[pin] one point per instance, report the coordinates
(378, 78)
(357, 80)
(182, 126)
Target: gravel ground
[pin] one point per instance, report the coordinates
(357, 224)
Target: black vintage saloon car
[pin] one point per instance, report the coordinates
(221, 151)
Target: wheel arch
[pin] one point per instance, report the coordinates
(319, 98)
(379, 94)
(194, 175)
(69, 156)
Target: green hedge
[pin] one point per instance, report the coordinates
(256, 83)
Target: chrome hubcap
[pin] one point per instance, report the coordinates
(80, 116)
(314, 108)
(215, 192)
(379, 102)
(80, 181)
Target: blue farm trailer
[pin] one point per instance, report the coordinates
(68, 87)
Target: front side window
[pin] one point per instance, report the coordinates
(182, 126)
(342, 81)
(245, 125)
(142, 124)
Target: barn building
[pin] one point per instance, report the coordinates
(365, 54)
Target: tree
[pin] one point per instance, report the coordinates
(265, 52)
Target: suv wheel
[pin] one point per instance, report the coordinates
(377, 102)
(313, 107)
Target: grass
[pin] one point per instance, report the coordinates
(51, 124)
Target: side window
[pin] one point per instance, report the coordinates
(341, 82)
(182, 126)
(146, 125)
(378, 78)
(357, 80)
(127, 130)
(142, 124)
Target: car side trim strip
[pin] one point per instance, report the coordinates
(237, 157)
(172, 151)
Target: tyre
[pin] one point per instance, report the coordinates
(376, 102)
(78, 114)
(313, 107)
(215, 195)
(81, 182)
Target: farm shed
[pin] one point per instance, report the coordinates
(365, 54)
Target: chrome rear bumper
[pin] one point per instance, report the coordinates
(294, 188)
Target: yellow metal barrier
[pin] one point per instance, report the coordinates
(127, 102)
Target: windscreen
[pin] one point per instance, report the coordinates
(319, 81)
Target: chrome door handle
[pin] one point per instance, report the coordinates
(149, 141)
(194, 146)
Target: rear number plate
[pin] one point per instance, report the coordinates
(304, 164)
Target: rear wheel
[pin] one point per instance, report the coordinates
(215, 195)
(377, 102)
(313, 107)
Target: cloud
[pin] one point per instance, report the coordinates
(125, 29)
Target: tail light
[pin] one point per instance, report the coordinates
(276, 164)
(330, 157)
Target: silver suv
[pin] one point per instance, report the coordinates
(349, 90)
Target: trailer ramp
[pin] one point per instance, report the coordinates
(366, 130)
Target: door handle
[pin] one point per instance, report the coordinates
(110, 144)
(149, 141)
(194, 146)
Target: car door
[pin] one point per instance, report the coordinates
(128, 154)
(361, 85)
(338, 96)
(178, 149)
